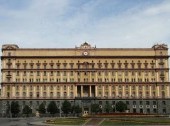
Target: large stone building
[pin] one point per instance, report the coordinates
(85, 75)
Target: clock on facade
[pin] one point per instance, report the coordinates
(85, 53)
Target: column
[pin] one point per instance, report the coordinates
(13, 91)
(90, 77)
(34, 91)
(116, 91)
(20, 91)
(123, 91)
(149, 75)
(110, 90)
(158, 95)
(137, 91)
(48, 77)
(28, 76)
(143, 77)
(27, 91)
(130, 90)
(75, 90)
(90, 90)
(109, 76)
(61, 91)
(48, 91)
(96, 92)
(61, 78)
(123, 76)
(41, 76)
(96, 77)
(116, 77)
(102, 91)
(136, 76)
(167, 91)
(3, 92)
(150, 91)
(157, 76)
(68, 76)
(81, 90)
(41, 91)
(68, 92)
(55, 91)
(103, 79)
(143, 92)
(13, 76)
(14, 62)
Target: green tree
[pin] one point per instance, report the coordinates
(95, 108)
(121, 106)
(108, 107)
(52, 108)
(77, 109)
(66, 107)
(8, 109)
(27, 110)
(14, 108)
(42, 109)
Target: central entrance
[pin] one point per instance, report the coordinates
(86, 91)
(85, 111)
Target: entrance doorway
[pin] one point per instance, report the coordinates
(86, 111)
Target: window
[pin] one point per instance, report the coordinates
(38, 66)
(64, 73)
(45, 66)
(134, 102)
(38, 73)
(31, 73)
(140, 102)
(17, 66)
(133, 73)
(71, 73)
(154, 102)
(24, 73)
(64, 87)
(58, 66)
(17, 73)
(126, 73)
(147, 103)
(71, 66)
(31, 66)
(58, 73)
(45, 73)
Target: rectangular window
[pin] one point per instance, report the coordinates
(45, 73)
(71, 73)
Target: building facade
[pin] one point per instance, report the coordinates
(85, 75)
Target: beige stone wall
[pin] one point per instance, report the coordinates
(24, 77)
(79, 52)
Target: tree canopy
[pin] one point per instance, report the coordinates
(95, 108)
(66, 107)
(42, 109)
(27, 110)
(52, 108)
(121, 106)
(108, 107)
(14, 108)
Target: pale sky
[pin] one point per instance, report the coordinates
(66, 23)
